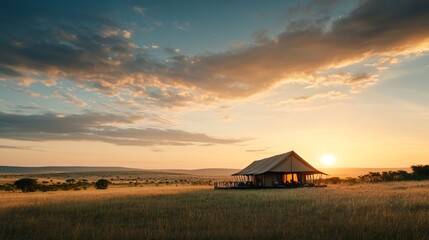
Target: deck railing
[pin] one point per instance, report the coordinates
(233, 184)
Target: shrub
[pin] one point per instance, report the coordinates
(371, 177)
(421, 171)
(26, 184)
(7, 187)
(70, 180)
(102, 184)
(333, 180)
(351, 180)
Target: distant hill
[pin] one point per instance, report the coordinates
(203, 171)
(62, 169)
(74, 169)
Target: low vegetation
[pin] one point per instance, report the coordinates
(102, 184)
(419, 172)
(84, 180)
(26, 185)
(32, 185)
(394, 210)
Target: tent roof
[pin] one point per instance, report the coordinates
(270, 164)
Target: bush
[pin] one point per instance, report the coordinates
(7, 187)
(421, 171)
(26, 184)
(350, 180)
(334, 180)
(102, 184)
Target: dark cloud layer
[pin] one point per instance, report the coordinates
(15, 147)
(374, 28)
(75, 44)
(92, 50)
(97, 127)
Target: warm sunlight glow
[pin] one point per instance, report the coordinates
(328, 159)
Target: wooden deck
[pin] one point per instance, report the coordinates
(250, 185)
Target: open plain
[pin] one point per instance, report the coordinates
(396, 210)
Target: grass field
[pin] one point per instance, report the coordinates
(363, 211)
(117, 177)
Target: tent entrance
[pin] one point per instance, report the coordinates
(259, 180)
(288, 177)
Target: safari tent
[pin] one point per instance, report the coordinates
(283, 170)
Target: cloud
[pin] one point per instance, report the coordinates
(139, 10)
(95, 55)
(384, 63)
(108, 31)
(32, 107)
(259, 150)
(126, 34)
(157, 150)
(314, 7)
(9, 72)
(26, 92)
(172, 51)
(373, 29)
(94, 51)
(98, 127)
(166, 97)
(181, 26)
(312, 50)
(70, 98)
(309, 98)
(261, 36)
(356, 81)
(18, 147)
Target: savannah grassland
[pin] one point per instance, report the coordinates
(398, 210)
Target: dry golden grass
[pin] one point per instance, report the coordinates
(116, 177)
(17, 199)
(364, 211)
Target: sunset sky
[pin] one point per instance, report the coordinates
(213, 84)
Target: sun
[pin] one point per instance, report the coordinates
(328, 159)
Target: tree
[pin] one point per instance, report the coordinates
(421, 171)
(26, 184)
(102, 184)
(371, 177)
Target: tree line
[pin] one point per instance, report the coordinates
(419, 172)
(32, 185)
